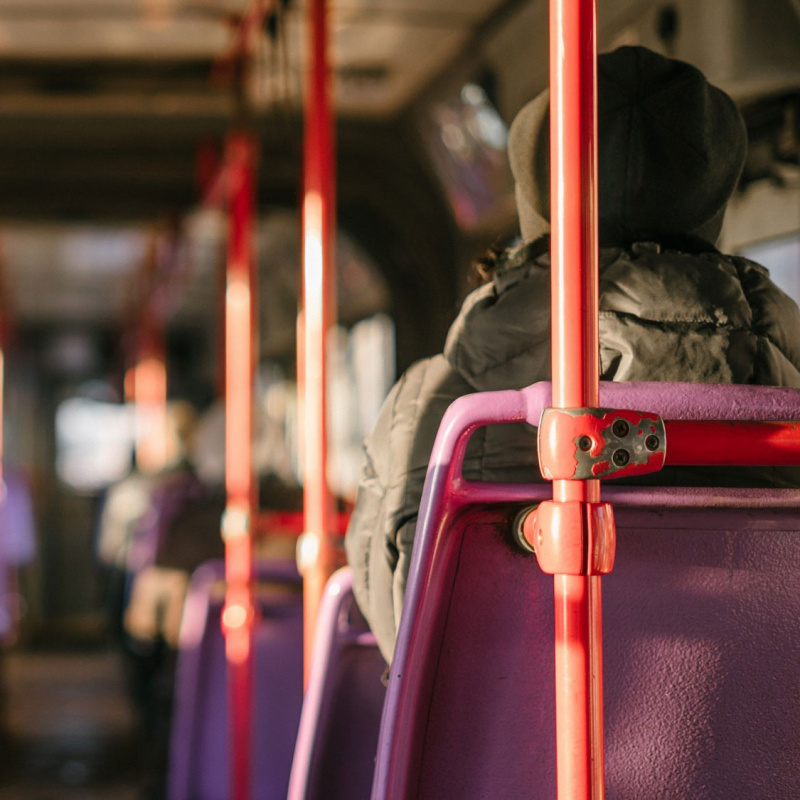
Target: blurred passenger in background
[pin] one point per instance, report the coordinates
(128, 530)
(17, 545)
(17, 549)
(191, 535)
(124, 505)
(156, 600)
(147, 599)
(672, 307)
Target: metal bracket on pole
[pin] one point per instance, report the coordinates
(235, 522)
(571, 538)
(606, 443)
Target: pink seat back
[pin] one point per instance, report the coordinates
(335, 752)
(200, 737)
(700, 628)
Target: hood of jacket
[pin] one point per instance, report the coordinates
(671, 150)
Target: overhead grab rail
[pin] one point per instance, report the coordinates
(573, 534)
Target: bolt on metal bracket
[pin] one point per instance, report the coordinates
(587, 443)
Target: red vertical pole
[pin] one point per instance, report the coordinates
(316, 554)
(238, 614)
(150, 393)
(575, 370)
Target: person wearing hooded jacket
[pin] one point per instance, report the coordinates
(672, 307)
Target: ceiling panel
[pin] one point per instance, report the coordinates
(383, 51)
(401, 57)
(97, 38)
(109, 8)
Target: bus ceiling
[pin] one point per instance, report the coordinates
(153, 57)
(104, 104)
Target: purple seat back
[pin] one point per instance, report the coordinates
(700, 628)
(200, 746)
(335, 753)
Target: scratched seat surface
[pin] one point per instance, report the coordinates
(338, 737)
(199, 768)
(701, 623)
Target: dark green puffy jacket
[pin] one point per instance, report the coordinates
(664, 315)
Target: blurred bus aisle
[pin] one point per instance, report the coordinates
(69, 730)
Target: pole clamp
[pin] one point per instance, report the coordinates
(235, 522)
(587, 443)
(571, 538)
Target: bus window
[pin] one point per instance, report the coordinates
(94, 442)
(781, 256)
(466, 140)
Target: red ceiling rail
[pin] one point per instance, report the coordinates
(574, 303)
(317, 555)
(155, 294)
(234, 65)
(238, 615)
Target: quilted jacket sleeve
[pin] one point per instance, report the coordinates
(776, 324)
(380, 536)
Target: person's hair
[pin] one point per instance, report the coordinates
(483, 268)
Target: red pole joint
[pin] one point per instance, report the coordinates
(572, 538)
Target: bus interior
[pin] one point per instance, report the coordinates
(115, 116)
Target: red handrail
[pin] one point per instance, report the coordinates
(316, 551)
(709, 443)
(240, 296)
(578, 631)
(292, 523)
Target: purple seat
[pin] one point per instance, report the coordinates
(338, 738)
(199, 756)
(701, 628)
